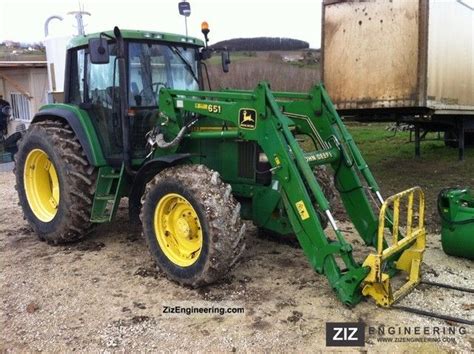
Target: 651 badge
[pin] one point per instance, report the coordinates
(247, 118)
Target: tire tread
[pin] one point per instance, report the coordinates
(226, 230)
(80, 178)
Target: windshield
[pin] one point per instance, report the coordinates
(153, 66)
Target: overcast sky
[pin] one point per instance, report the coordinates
(23, 20)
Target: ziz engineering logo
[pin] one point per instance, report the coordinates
(345, 334)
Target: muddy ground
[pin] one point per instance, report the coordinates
(105, 294)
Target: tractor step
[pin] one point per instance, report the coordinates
(105, 197)
(108, 194)
(100, 221)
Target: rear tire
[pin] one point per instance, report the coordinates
(191, 223)
(69, 184)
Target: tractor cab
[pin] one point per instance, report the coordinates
(110, 76)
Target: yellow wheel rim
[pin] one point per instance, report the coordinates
(178, 230)
(41, 185)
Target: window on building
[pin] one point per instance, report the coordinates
(20, 106)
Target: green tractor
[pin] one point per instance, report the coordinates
(136, 122)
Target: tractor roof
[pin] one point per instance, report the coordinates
(79, 41)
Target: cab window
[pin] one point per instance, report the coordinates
(154, 66)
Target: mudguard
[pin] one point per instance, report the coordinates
(80, 124)
(144, 175)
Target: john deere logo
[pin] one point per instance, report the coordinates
(247, 118)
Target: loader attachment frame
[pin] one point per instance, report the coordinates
(377, 284)
(273, 120)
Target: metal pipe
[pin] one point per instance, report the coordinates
(356, 154)
(224, 134)
(331, 220)
(379, 196)
(125, 120)
(48, 20)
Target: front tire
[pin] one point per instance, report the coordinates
(191, 223)
(55, 182)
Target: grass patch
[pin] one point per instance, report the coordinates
(391, 157)
(246, 74)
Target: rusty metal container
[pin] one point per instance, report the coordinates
(414, 55)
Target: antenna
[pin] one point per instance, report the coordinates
(78, 16)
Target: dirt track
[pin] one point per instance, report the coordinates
(104, 294)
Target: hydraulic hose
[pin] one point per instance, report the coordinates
(163, 144)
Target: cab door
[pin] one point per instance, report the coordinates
(95, 88)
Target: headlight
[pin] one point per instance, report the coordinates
(262, 158)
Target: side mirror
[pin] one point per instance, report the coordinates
(225, 61)
(99, 51)
(206, 53)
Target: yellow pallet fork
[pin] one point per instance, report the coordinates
(377, 284)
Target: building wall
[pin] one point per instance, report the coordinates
(34, 81)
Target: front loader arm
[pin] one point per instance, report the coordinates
(294, 173)
(273, 120)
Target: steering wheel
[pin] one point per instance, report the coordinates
(158, 85)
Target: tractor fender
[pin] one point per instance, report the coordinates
(144, 175)
(85, 133)
(11, 143)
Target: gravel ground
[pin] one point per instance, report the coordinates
(104, 294)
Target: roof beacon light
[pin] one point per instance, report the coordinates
(205, 30)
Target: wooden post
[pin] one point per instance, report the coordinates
(16, 85)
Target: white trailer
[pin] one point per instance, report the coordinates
(403, 60)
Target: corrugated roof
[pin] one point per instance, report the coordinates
(23, 64)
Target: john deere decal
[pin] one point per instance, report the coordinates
(247, 118)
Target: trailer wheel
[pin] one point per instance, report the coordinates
(55, 182)
(192, 226)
